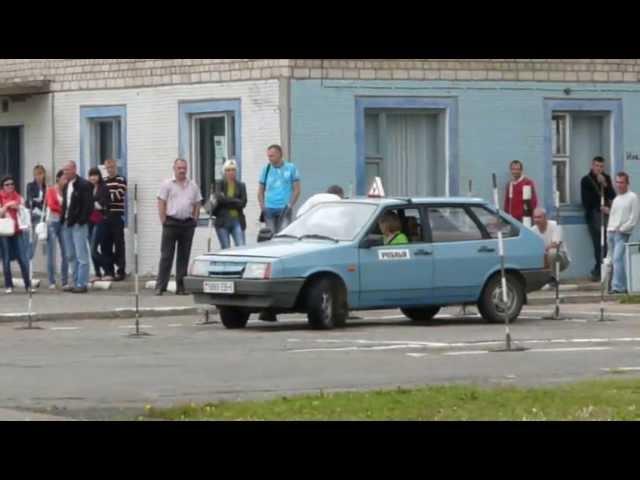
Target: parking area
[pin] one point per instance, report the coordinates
(94, 369)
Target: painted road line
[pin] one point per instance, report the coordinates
(417, 355)
(174, 325)
(65, 328)
(133, 326)
(568, 349)
(468, 352)
(348, 349)
(593, 314)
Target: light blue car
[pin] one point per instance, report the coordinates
(332, 260)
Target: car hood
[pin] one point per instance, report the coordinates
(275, 249)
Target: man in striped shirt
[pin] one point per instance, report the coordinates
(114, 217)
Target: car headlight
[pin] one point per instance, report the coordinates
(257, 270)
(199, 268)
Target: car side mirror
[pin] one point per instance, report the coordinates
(372, 240)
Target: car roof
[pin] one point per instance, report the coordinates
(420, 200)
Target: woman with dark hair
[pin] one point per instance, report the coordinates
(101, 256)
(16, 245)
(53, 204)
(34, 201)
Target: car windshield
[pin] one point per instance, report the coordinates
(339, 221)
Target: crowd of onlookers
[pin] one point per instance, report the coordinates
(84, 219)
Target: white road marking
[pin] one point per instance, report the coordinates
(174, 325)
(344, 349)
(417, 355)
(468, 352)
(575, 349)
(65, 328)
(133, 326)
(622, 314)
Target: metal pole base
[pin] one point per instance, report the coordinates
(509, 346)
(139, 335)
(207, 315)
(555, 315)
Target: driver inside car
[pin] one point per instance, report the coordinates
(391, 228)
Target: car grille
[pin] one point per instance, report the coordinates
(226, 269)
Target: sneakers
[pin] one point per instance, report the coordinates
(8, 291)
(79, 290)
(67, 288)
(52, 286)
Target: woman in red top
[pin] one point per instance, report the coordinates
(16, 246)
(53, 205)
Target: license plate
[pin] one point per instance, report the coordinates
(218, 287)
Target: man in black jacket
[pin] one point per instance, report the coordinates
(592, 185)
(77, 204)
(114, 216)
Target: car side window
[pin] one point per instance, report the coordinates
(493, 223)
(452, 224)
(411, 224)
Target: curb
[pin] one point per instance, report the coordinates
(572, 299)
(108, 314)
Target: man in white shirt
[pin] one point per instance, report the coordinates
(623, 217)
(551, 233)
(334, 192)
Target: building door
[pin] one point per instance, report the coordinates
(213, 144)
(10, 154)
(406, 149)
(577, 138)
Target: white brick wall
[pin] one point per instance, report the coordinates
(153, 144)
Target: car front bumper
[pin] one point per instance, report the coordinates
(253, 294)
(536, 279)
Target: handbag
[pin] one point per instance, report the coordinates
(266, 176)
(41, 228)
(24, 218)
(96, 217)
(7, 227)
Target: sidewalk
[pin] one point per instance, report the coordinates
(57, 305)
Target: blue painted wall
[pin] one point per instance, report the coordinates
(497, 122)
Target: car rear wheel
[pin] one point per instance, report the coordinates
(491, 306)
(423, 314)
(233, 317)
(326, 304)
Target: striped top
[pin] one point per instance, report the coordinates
(117, 186)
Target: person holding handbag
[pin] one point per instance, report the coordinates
(231, 199)
(14, 246)
(100, 254)
(53, 212)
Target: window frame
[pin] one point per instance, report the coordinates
(417, 207)
(564, 158)
(484, 234)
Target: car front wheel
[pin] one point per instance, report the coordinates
(233, 317)
(326, 305)
(491, 305)
(423, 314)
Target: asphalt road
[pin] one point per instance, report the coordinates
(92, 369)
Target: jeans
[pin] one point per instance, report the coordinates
(593, 224)
(77, 250)
(275, 220)
(54, 233)
(616, 245)
(114, 238)
(234, 229)
(100, 254)
(180, 233)
(19, 245)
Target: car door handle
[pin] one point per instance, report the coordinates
(486, 250)
(422, 252)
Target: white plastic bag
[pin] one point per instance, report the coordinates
(7, 227)
(24, 218)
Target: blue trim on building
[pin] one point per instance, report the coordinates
(614, 108)
(90, 113)
(448, 104)
(188, 108)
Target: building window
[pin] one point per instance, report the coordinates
(213, 143)
(560, 148)
(405, 148)
(105, 140)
